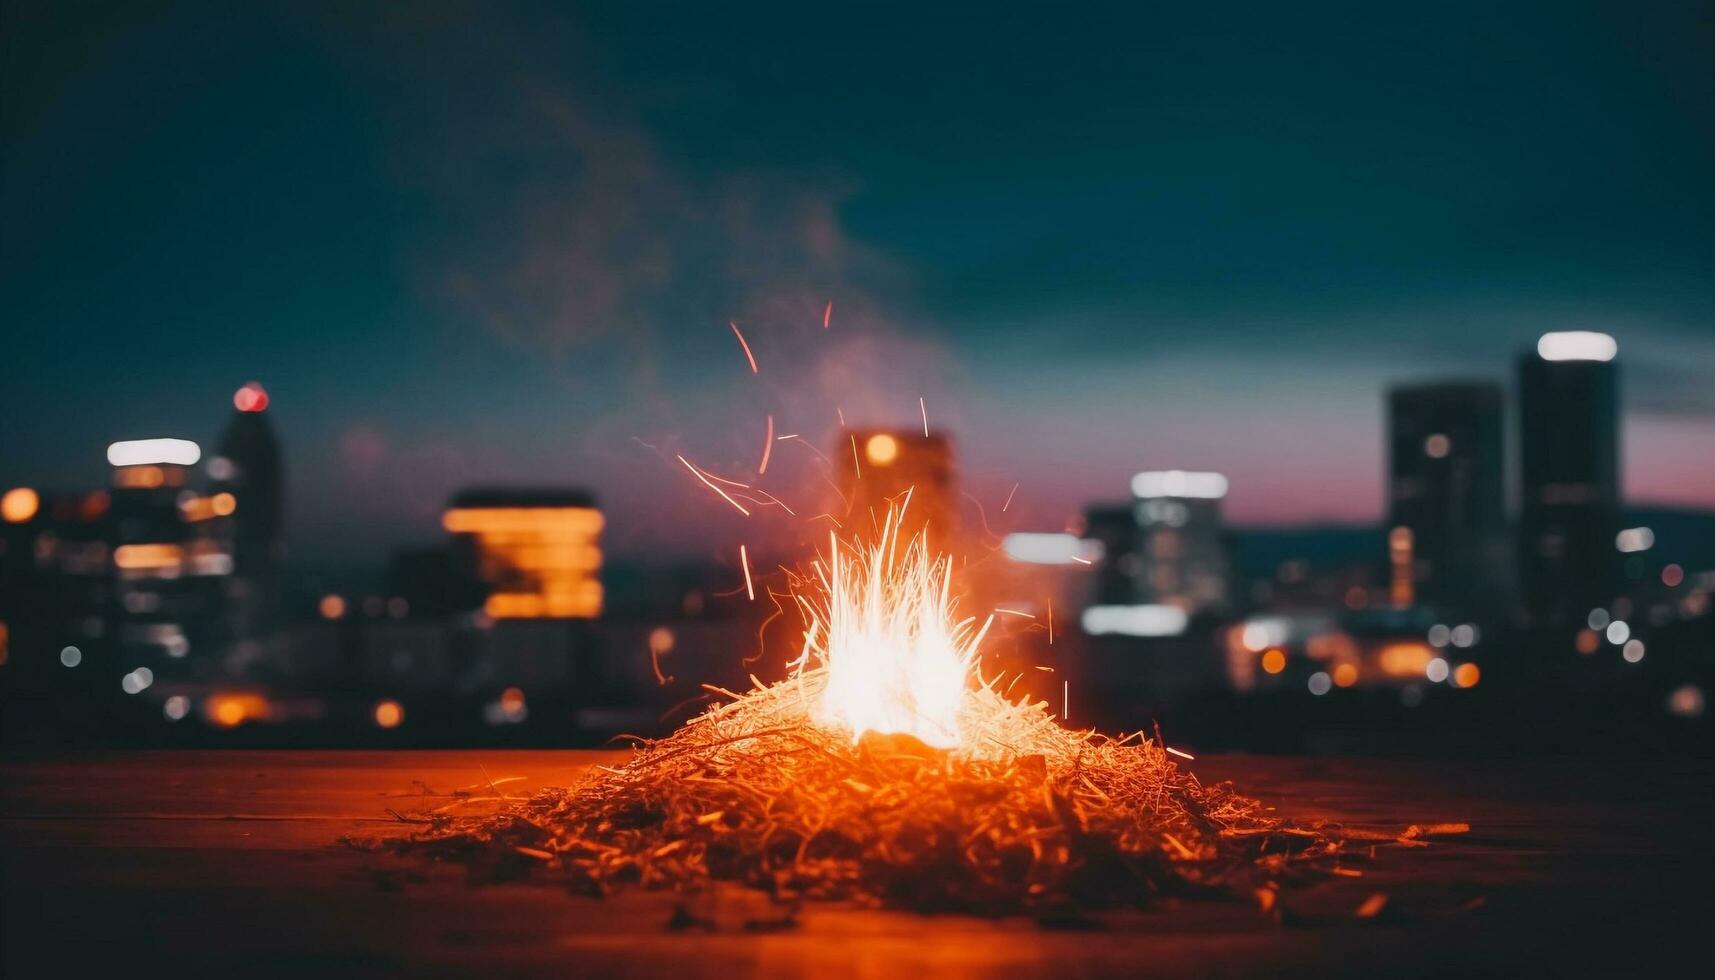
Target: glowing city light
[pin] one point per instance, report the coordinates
(1577, 345)
(1634, 539)
(543, 560)
(146, 452)
(1274, 660)
(1263, 632)
(250, 398)
(1437, 670)
(1051, 549)
(1320, 683)
(1139, 620)
(231, 709)
(1437, 446)
(388, 713)
(176, 707)
(71, 656)
(1618, 632)
(1686, 701)
(19, 505)
(1407, 659)
(1633, 651)
(137, 681)
(881, 449)
(1178, 483)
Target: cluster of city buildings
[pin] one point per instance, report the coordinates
(168, 587)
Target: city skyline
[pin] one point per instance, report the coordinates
(506, 252)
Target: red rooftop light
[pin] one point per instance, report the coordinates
(250, 398)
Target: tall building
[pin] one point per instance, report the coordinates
(1115, 527)
(1181, 552)
(1569, 474)
(248, 496)
(247, 465)
(167, 573)
(877, 466)
(1447, 489)
(536, 552)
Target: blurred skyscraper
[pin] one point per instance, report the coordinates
(878, 466)
(1447, 487)
(248, 481)
(1182, 555)
(1570, 456)
(1115, 527)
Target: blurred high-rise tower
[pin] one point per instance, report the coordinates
(1570, 474)
(876, 467)
(247, 466)
(1447, 487)
(1181, 556)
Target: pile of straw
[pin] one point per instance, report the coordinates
(1029, 816)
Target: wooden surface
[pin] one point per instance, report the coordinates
(189, 864)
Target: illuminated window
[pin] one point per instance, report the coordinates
(540, 562)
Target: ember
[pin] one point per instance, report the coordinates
(757, 791)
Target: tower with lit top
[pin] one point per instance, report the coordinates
(875, 468)
(247, 482)
(1569, 472)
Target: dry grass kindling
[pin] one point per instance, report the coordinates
(1031, 816)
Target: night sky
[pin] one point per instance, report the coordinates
(501, 243)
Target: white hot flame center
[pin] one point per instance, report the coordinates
(896, 659)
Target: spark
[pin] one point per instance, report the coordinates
(1082, 561)
(789, 435)
(855, 466)
(1048, 670)
(767, 447)
(1182, 755)
(741, 342)
(655, 661)
(767, 498)
(731, 483)
(841, 413)
(1065, 700)
(1051, 624)
(1008, 503)
(744, 559)
(827, 314)
(925, 410)
(1013, 612)
(710, 484)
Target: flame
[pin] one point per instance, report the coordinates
(882, 623)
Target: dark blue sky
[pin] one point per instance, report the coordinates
(502, 242)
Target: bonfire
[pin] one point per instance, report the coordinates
(885, 769)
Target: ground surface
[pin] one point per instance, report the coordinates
(194, 863)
